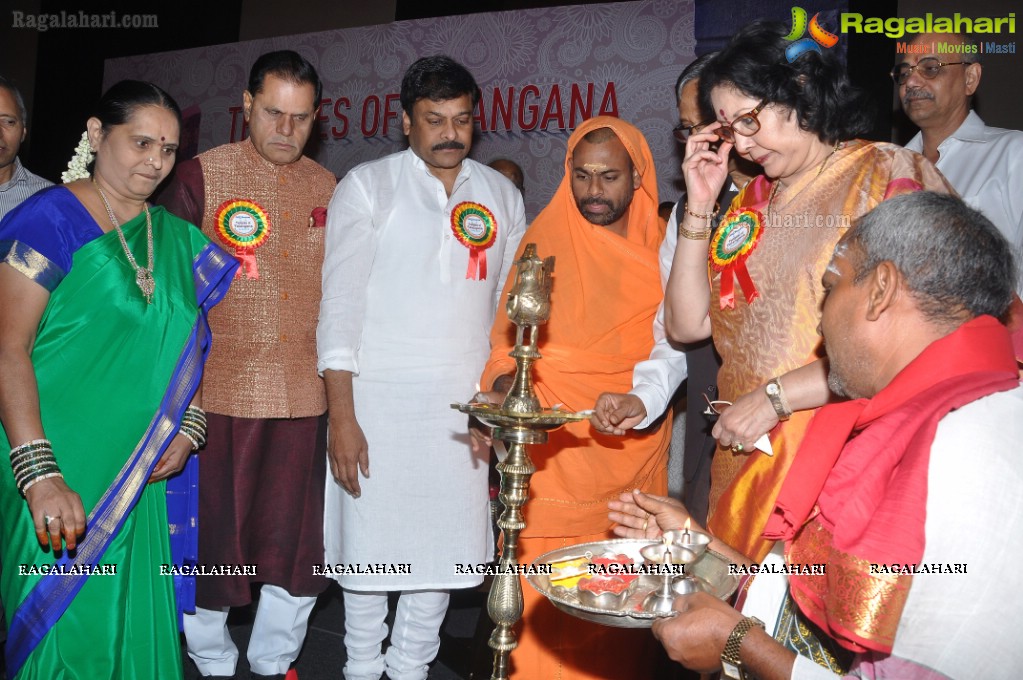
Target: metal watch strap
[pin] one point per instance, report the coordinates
(777, 397)
(730, 654)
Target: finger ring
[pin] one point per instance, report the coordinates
(47, 519)
(737, 448)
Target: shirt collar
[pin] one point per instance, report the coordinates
(19, 174)
(463, 173)
(972, 129)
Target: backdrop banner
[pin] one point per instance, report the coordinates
(541, 73)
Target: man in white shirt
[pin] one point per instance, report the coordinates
(418, 245)
(16, 183)
(984, 164)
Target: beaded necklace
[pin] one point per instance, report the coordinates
(143, 275)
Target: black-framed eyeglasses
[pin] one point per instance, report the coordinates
(929, 67)
(682, 131)
(746, 125)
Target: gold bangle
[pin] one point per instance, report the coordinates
(693, 235)
(708, 216)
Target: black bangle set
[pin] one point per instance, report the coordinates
(193, 426)
(33, 462)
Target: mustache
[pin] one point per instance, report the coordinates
(917, 93)
(443, 146)
(597, 201)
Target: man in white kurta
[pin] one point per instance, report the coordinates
(418, 245)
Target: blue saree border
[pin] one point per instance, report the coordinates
(31, 263)
(183, 488)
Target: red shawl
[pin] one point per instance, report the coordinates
(857, 491)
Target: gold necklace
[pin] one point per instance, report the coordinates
(143, 275)
(820, 170)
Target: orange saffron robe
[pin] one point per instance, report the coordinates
(605, 295)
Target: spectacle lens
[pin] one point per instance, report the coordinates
(682, 131)
(928, 67)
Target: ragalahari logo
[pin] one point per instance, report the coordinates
(818, 36)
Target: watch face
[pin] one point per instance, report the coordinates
(730, 670)
(772, 389)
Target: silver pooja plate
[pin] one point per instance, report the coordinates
(710, 572)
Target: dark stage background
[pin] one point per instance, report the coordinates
(60, 71)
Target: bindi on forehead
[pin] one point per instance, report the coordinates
(595, 167)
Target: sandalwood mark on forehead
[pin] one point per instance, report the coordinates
(594, 167)
(840, 251)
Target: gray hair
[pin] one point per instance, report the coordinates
(691, 72)
(10, 87)
(954, 260)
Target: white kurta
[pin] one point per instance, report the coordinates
(399, 312)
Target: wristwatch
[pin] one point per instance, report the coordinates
(777, 397)
(731, 665)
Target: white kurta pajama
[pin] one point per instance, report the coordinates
(399, 312)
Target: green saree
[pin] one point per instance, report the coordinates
(113, 374)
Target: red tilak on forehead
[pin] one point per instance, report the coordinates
(722, 112)
(163, 139)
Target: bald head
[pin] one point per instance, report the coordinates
(511, 170)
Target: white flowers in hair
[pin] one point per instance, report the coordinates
(78, 167)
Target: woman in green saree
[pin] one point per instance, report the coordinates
(103, 335)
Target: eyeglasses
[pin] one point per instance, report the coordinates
(682, 131)
(929, 68)
(714, 406)
(746, 125)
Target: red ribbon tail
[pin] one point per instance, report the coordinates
(474, 264)
(727, 289)
(483, 265)
(247, 257)
(746, 283)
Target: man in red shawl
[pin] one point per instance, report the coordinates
(910, 492)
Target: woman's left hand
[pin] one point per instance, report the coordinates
(173, 459)
(749, 418)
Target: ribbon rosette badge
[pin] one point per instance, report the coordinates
(475, 228)
(243, 226)
(732, 244)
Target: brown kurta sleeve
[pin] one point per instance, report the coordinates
(184, 195)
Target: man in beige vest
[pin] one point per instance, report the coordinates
(263, 469)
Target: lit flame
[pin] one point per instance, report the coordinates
(686, 525)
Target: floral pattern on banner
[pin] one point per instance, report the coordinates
(638, 47)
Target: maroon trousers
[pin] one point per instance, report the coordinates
(261, 505)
